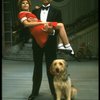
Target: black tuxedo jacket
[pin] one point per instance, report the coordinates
(53, 15)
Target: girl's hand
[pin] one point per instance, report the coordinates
(45, 28)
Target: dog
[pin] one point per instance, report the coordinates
(62, 81)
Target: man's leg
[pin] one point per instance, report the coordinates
(37, 72)
(50, 55)
(50, 80)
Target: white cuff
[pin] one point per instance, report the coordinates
(53, 32)
(24, 18)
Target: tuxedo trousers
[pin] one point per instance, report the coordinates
(49, 52)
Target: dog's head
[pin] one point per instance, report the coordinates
(58, 66)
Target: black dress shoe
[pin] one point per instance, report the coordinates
(31, 97)
(54, 98)
(68, 52)
(65, 51)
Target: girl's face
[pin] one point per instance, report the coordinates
(25, 5)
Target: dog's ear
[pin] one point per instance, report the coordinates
(66, 63)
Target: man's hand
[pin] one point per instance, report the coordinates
(37, 7)
(48, 28)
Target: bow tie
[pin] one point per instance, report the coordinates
(45, 8)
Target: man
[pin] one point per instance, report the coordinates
(50, 49)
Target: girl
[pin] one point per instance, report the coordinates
(39, 29)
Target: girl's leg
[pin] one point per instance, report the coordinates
(63, 39)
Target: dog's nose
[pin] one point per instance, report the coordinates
(57, 70)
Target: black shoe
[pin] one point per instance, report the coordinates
(54, 98)
(68, 52)
(31, 97)
(65, 51)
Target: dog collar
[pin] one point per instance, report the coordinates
(66, 77)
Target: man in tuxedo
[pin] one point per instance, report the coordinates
(45, 13)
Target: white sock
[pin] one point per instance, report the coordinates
(68, 47)
(61, 46)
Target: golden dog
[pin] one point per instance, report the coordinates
(62, 81)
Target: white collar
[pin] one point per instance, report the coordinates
(46, 5)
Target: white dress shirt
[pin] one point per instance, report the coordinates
(44, 15)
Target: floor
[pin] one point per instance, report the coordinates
(17, 80)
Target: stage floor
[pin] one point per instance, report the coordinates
(17, 80)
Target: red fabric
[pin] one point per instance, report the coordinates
(54, 24)
(36, 31)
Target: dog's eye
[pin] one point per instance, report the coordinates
(60, 63)
(55, 64)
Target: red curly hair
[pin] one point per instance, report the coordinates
(20, 2)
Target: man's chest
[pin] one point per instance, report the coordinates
(44, 15)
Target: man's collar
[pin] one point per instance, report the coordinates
(46, 5)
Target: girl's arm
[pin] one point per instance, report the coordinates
(32, 23)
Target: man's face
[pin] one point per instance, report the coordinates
(45, 1)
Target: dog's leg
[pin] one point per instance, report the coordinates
(58, 91)
(68, 89)
(58, 94)
(68, 93)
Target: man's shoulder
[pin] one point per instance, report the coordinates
(54, 8)
(51, 7)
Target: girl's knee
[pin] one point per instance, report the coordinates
(61, 25)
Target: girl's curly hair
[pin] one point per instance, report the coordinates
(20, 2)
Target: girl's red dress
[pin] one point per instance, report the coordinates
(36, 31)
